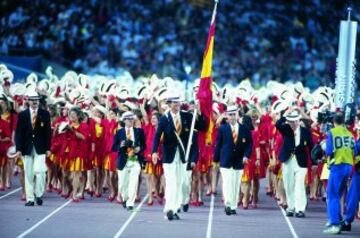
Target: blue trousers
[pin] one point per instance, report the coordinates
(352, 198)
(339, 174)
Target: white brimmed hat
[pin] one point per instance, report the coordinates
(293, 116)
(11, 152)
(172, 96)
(32, 94)
(127, 115)
(100, 109)
(232, 109)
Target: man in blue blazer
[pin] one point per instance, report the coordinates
(232, 149)
(129, 142)
(296, 147)
(174, 128)
(32, 139)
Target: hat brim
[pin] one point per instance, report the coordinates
(34, 98)
(293, 118)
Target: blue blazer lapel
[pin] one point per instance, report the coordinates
(29, 118)
(135, 135)
(171, 120)
(228, 130)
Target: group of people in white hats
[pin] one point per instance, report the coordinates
(90, 134)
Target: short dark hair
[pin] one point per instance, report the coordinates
(339, 118)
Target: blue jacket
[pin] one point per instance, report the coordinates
(27, 137)
(171, 143)
(119, 137)
(288, 146)
(229, 154)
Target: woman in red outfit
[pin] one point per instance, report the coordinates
(76, 134)
(97, 129)
(250, 177)
(153, 172)
(10, 118)
(5, 143)
(111, 128)
(57, 140)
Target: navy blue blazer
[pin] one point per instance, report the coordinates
(288, 146)
(119, 137)
(27, 137)
(231, 154)
(170, 143)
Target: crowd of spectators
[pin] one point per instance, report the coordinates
(262, 40)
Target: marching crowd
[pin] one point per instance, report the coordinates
(72, 137)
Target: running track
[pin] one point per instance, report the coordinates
(96, 217)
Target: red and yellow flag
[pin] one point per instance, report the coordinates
(204, 94)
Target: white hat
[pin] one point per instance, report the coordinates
(11, 152)
(142, 91)
(6, 76)
(172, 96)
(100, 109)
(278, 106)
(32, 78)
(83, 80)
(44, 85)
(294, 115)
(32, 94)
(130, 105)
(127, 115)
(62, 126)
(232, 109)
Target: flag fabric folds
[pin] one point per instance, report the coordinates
(204, 94)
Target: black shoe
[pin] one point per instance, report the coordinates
(130, 208)
(29, 204)
(170, 215)
(186, 208)
(233, 212)
(227, 211)
(345, 226)
(124, 204)
(178, 210)
(39, 201)
(300, 214)
(289, 213)
(176, 216)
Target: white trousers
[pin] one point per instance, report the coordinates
(128, 179)
(174, 174)
(294, 184)
(186, 187)
(34, 166)
(231, 179)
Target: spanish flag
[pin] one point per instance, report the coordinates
(204, 94)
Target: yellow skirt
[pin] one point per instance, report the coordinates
(156, 170)
(77, 165)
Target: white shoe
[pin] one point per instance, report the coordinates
(333, 230)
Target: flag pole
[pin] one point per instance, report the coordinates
(188, 147)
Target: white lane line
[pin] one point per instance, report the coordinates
(43, 220)
(289, 223)
(208, 232)
(8, 194)
(133, 214)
